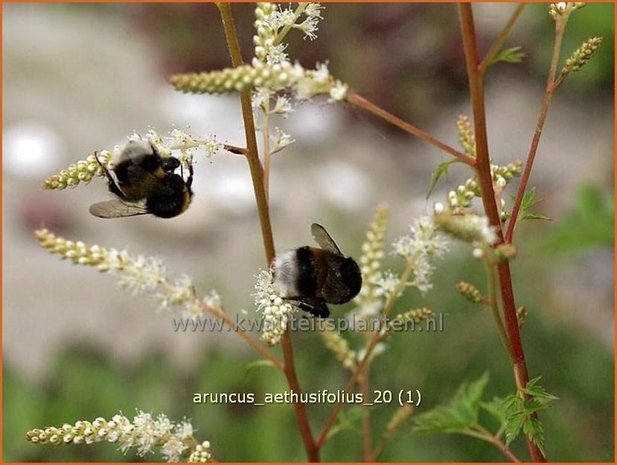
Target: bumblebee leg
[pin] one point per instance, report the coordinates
(189, 180)
(113, 186)
(315, 307)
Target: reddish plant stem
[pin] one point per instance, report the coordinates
(551, 85)
(363, 103)
(483, 169)
(257, 175)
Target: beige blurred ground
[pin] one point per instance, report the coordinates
(77, 80)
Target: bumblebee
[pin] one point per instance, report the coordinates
(144, 182)
(314, 277)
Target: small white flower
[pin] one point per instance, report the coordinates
(212, 146)
(387, 283)
(561, 6)
(280, 140)
(313, 10)
(282, 105)
(274, 308)
(309, 27)
(338, 91)
(423, 244)
(322, 74)
(276, 54)
(173, 448)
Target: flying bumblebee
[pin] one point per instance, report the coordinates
(145, 183)
(313, 277)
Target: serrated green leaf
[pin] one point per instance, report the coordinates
(440, 170)
(528, 202)
(495, 409)
(533, 430)
(534, 216)
(510, 55)
(514, 425)
(519, 412)
(458, 415)
(588, 224)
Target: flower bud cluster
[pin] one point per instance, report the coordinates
(460, 198)
(304, 83)
(339, 346)
(369, 299)
(563, 9)
(80, 172)
(468, 228)
(138, 274)
(144, 433)
(582, 54)
(398, 419)
(416, 315)
(469, 291)
(466, 137)
(83, 171)
(201, 454)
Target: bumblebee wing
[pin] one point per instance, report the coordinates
(324, 240)
(315, 307)
(117, 209)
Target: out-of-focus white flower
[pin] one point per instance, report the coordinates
(379, 349)
(469, 228)
(420, 247)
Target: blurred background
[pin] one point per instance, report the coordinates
(82, 77)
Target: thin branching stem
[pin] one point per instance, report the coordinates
(367, 431)
(491, 284)
(551, 86)
(265, 130)
(235, 150)
(252, 154)
(259, 347)
(257, 175)
(364, 104)
(501, 38)
(368, 355)
(484, 435)
(483, 170)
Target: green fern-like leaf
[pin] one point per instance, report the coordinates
(458, 415)
(440, 171)
(510, 55)
(519, 412)
(528, 202)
